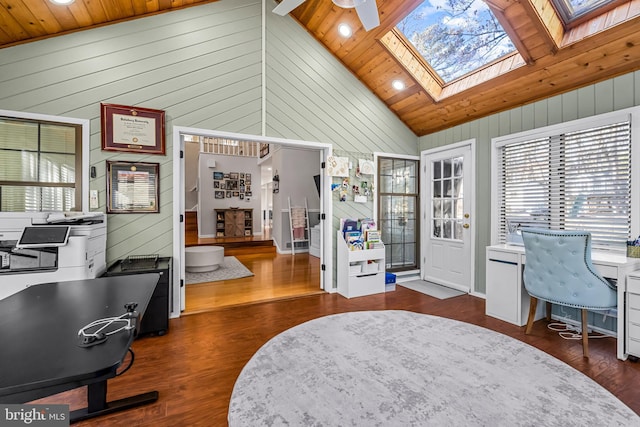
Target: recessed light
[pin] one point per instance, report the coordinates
(344, 30)
(62, 2)
(398, 85)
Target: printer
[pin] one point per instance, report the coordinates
(43, 247)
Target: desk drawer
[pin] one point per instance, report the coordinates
(633, 301)
(633, 347)
(607, 271)
(633, 285)
(634, 315)
(500, 256)
(634, 331)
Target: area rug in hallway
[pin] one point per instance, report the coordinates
(399, 368)
(230, 269)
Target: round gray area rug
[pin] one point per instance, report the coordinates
(398, 368)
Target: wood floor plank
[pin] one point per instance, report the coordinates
(194, 367)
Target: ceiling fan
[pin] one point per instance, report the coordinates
(367, 10)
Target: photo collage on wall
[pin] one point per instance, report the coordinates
(232, 184)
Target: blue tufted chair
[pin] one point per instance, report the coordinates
(558, 270)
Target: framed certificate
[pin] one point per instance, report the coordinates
(132, 187)
(133, 129)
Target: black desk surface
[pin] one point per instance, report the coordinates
(39, 351)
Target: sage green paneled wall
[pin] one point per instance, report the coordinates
(611, 95)
(203, 66)
(311, 96)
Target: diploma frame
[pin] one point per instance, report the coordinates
(132, 129)
(133, 187)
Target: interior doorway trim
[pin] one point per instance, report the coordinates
(326, 207)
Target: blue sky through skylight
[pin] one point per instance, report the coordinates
(455, 36)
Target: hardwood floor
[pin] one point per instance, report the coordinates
(276, 276)
(194, 366)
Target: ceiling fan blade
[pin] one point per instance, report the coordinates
(368, 14)
(287, 6)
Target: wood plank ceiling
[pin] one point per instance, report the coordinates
(551, 59)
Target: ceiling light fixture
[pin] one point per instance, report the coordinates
(344, 30)
(398, 84)
(348, 4)
(62, 2)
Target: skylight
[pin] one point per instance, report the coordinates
(573, 9)
(456, 37)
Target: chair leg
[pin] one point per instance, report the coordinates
(585, 334)
(533, 304)
(549, 306)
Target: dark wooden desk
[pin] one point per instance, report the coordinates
(41, 355)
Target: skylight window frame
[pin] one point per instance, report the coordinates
(444, 81)
(571, 20)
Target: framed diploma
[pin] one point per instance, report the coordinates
(133, 129)
(132, 187)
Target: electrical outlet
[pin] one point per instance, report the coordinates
(93, 199)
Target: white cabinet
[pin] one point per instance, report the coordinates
(359, 272)
(506, 297)
(633, 314)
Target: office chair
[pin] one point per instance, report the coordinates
(558, 270)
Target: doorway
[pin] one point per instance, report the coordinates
(448, 234)
(323, 150)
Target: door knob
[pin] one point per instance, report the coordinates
(465, 226)
(466, 215)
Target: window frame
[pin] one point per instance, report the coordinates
(379, 194)
(84, 135)
(630, 114)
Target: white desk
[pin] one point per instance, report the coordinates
(509, 301)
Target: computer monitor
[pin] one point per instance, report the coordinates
(43, 236)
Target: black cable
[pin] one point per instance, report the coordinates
(133, 356)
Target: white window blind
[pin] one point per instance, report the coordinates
(38, 164)
(578, 180)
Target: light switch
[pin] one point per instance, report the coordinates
(93, 199)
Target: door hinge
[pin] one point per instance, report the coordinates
(182, 283)
(323, 216)
(181, 154)
(181, 218)
(323, 267)
(322, 165)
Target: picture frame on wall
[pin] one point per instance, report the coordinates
(219, 194)
(218, 176)
(233, 175)
(216, 184)
(132, 187)
(228, 194)
(132, 129)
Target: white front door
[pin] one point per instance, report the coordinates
(448, 233)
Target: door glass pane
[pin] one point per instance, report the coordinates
(446, 166)
(437, 170)
(457, 166)
(398, 211)
(437, 188)
(447, 199)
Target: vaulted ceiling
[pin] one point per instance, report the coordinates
(550, 57)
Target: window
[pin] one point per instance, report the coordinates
(575, 10)
(398, 211)
(455, 37)
(41, 163)
(569, 177)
